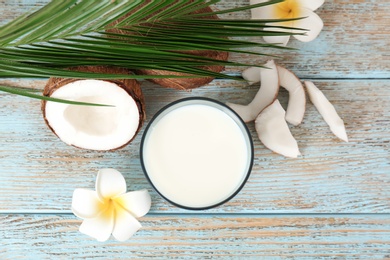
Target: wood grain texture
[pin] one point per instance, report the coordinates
(312, 207)
(39, 172)
(202, 237)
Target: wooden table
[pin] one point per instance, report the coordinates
(332, 202)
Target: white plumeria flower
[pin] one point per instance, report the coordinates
(291, 9)
(109, 209)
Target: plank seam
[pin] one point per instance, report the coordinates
(181, 214)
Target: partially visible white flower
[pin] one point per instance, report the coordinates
(109, 209)
(291, 9)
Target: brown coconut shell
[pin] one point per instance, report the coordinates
(131, 86)
(182, 83)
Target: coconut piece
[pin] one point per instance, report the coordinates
(273, 131)
(179, 83)
(92, 127)
(327, 111)
(252, 74)
(266, 95)
(297, 98)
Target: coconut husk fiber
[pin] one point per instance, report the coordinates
(183, 83)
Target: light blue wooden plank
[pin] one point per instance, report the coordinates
(12, 9)
(39, 172)
(202, 237)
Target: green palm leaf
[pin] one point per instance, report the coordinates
(82, 32)
(30, 94)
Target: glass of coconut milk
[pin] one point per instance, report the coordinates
(197, 153)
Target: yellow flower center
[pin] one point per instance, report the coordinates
(107, 208)
(287, 9)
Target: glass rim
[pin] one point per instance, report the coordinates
(237, 119)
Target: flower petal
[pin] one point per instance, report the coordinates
(110, 183)
(125, 224)
(312, 22)
(265, 12)
(282, 40)
(136, 202)
(311, 4)
(100, 227)
(86, 203)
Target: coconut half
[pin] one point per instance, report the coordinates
(273, 131)
(327, 111)
(179, 83)
(266, 95)
(93, 127)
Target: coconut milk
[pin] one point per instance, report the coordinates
(197, 155)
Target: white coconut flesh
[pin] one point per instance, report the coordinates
(327, 111)
(252, 74)
(92, 127)
(297, 98)
(273, 131)
(266, 95)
